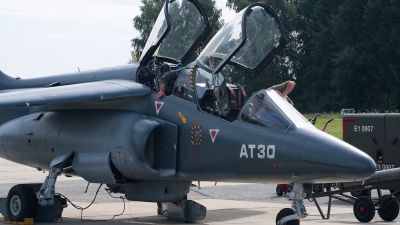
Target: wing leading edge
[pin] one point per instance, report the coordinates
(92, 91)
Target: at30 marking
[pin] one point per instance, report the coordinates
(257, 151)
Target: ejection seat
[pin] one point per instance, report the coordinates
(222, 102)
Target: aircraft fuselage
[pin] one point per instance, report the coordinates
(208, 147)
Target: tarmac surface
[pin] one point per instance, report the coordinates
(226, 203)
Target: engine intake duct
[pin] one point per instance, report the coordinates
(138, 146)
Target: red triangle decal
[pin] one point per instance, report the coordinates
(158, 106)
(213, 134)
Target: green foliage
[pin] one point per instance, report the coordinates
(379, 49)
(334, 128)
(343, 53)
(314, 81)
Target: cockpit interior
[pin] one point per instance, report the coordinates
(248, 42)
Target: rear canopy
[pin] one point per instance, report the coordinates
(249, 41)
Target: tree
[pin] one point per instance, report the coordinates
(348, 72)
(342, 54)
(380, 53)
(314, 27)
(349, 56)
(150, 10)
(366, 71)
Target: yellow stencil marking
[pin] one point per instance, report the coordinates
(182, 117)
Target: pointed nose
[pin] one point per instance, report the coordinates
(361, 165)
(342, 160)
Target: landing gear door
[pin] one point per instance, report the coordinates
(181, 27)
(249, 41)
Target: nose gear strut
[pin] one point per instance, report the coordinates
(297, 195)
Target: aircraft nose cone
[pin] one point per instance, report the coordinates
(348, 161)
(362, 164)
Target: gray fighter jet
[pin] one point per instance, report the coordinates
(107, 126)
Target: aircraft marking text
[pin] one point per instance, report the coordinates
(384, 166)
(258, 151)
(363, 128)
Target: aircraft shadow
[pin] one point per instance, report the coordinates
(222, 215)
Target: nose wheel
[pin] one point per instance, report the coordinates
(21, 202)
(284, 213)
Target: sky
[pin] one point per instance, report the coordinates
(49, 37)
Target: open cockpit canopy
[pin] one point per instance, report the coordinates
(249, 41)
(180, 28)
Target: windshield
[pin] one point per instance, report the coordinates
(269, 109)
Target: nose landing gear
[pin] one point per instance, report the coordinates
(288, 216)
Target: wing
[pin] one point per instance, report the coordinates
(92, 91)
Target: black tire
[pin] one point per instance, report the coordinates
(389, 212)
(21, 202)
(364, 209)
(279, 190)
(287, 212)
(359, 193)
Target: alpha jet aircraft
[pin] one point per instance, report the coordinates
(107, 126)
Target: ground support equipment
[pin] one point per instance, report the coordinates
(364, 206)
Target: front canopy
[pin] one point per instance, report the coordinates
(267, 108)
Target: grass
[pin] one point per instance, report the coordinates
(333, 128)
